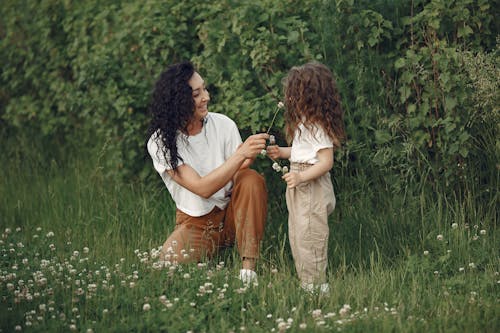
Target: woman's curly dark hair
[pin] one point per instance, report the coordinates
(312, 98)
(171, 108)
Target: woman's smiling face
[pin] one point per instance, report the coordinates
(201, 97)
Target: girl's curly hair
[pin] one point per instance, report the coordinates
(312, 98)
(171, 108)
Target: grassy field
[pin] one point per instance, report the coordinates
(79, 254)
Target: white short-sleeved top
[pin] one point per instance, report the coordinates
(204, 152)
(305, 146)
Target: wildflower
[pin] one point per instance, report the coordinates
(303, 326)
(482, 232)
(461, 269)
(454, 225)
(426, 253)
(316, 313)
(50, 234)
(146, 307)
(284, 169)
(472, 265)
(439, 237)
(85, 250)
(345, 310)
(281, 105)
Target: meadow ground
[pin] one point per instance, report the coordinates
(79, 253)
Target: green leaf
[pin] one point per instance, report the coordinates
(400, 63)
(464, 31)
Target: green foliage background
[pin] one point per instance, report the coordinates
(418, 78)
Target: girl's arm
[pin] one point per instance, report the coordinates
(325, 163)
(207, 185)
(276, 152)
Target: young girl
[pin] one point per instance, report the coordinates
(314, 125)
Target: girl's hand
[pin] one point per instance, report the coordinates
(292, 179)
(273, 152)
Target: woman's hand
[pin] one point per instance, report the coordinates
(253, 145)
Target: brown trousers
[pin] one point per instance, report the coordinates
(309, 205)
(242, 221)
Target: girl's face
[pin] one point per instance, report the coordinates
(201, 96)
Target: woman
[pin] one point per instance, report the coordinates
(204, 165)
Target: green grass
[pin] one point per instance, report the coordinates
(396, 263)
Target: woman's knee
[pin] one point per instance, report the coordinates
(250, 178)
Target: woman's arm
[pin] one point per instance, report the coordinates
(207, 185)
(325, 163)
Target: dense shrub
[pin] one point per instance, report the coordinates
(80, 73)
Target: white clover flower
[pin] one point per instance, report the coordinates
(482, 232)
(276, 166)
(439, 237)
(316, 313)
(426, 253)
(303, 326)
(50, 234)
(284, 169)
(263, 152)
(281, 105)
(461, 269)
(454, 225)
(146, 307)
(472, 265)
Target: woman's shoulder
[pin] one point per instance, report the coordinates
(220, 118)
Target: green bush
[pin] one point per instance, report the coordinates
(80, 73)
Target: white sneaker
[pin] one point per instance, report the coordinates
(247, 276)
(324, 288)
(311, 288)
